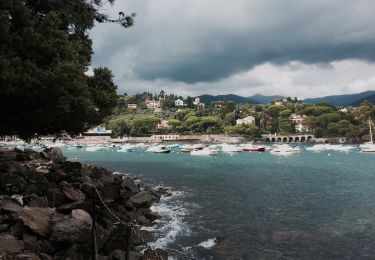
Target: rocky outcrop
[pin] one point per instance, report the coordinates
(46, 208)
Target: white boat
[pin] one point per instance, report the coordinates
(158, 149)
(285, 149)
(231, 148)
(204, 152)
(95, 148)
(368, 147)
(126, 148)
(192, 147)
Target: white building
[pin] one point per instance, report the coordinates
(98, 133)
(198, 104)
(163, 124)
(151, 104)
(179, 103)
(246, 121)
(298, 120)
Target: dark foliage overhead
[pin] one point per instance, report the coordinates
(45, 51)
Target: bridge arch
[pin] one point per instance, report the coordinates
(279, 139)
(296, 139)
(309, 138)
(303, 139)
(273, 139)
(268, 140)
(285, 140)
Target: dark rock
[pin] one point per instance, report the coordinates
(143, 199)
(39, 202)
(10, 205)
(23, 157)
(164, 192)
(28, 256)
(71, 231)
(29, 238)
(45, 155)
(45, 257)
(10, 244)
(96, 172)
(110, 193)
(144, 234)
(55, 154)
(31, 190)
(129, 184)
(74, 167)
(17, 229)
(3, 227)
(107, 179)
(56, 176)
(55, 197)
(81, 215)
(8, 156)
(150, 255)
(77, 252)
(73, 194)
(12, 183)
(45, 246)
(37, 219)
(39, 180)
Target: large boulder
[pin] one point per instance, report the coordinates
(143, 199)
(73, 193)
(129, 184)
(74, 167)
(55, 154)
(55, 197)
(12, 183)
(81, 215)
(71, 231)
(37, 219)
(11, 244)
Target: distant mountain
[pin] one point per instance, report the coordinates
(207, 99)
(370, 98)
(341, 100)
(264, 99)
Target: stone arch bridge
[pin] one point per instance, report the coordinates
(288, 138)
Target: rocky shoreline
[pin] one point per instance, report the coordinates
(46, 209)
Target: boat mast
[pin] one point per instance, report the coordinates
(369, 123)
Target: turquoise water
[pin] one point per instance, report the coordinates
(258, 205)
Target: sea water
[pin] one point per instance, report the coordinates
(257, 205)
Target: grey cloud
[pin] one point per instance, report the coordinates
(205, 41)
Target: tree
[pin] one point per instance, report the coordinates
(45, 51)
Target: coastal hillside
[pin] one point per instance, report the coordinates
(208, 99)
(342, 100)
(370, 98)
(261, 99)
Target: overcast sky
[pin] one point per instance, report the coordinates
(297, 48)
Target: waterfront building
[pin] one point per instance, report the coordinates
(165, 137)
(163, 124)
(298, 120)
(98, 133)
(246, 121)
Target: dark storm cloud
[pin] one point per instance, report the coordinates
(206, 40)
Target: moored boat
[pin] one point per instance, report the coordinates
(204, 152)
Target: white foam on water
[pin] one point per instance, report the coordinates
(171, 225)
(208, 243)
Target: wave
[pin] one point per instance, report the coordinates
(172, 225)
(208, 243)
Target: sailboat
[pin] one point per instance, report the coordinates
(369, 147)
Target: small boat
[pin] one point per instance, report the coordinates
(368, 147)
(189, 148)
(231, 148)
(285, 149)
(95, 148)
(159, 149)
(204, 152)
(126, 148)
(253, 148)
